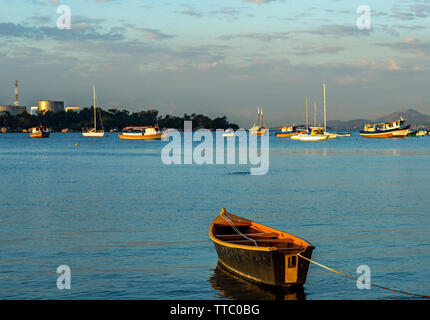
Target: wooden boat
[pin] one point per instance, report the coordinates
(394, 129)
(39, 132)
(288, 131)
(347, 134)
(259, 129)
(314, 135)
(93, 132)
(258, 253)
(141, 133)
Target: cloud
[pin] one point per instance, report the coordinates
(257, 36)
(312, 50)
(410, 46)
(82, 31)
(337, 31)
(259, 1)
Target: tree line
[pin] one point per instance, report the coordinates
(112, 119)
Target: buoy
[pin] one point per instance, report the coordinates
(76, 144)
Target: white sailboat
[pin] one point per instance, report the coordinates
(93, 132)
(316, 134)
(259, 129)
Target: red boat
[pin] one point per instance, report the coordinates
(39, 132)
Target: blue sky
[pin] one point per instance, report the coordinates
(220, 57)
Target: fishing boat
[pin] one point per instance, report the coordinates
(259, 253)
(39, 132)
(288, 131)
(228, 133)
(93, 132)
(394, 129)
(141, 133)
(313, 135)
(259, 129)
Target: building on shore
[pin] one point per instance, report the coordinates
(12, 109)
(73, 108)
(50, 105)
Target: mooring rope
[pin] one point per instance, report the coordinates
(372, 284)
(236, 229)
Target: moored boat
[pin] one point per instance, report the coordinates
(314, 135)
(288, 131)
(228, 133)
(93, 132)
(141, 133)
(39, 132)
(259, 253)
(394, 129)
(259, 129)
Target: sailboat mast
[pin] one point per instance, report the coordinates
(261, 116)
(94, 105)
(325, 110)
(315, 114)
(258, 116)
(307, 114)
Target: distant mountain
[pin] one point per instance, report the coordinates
(412, 117)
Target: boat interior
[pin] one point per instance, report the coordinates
(248, 234)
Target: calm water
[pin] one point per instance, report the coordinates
(130, 227)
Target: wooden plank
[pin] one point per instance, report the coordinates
(259, 234)
(264, 240)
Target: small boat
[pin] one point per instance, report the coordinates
(93, 132)
(228, 133)
(258, 253)
(421, 133)
(314, 135)
(288, 131)
(346, 134)
(394, 129)
(141, 133)
(259, 129)
(39, 132)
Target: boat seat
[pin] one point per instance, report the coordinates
(281, 241)
(251, 235)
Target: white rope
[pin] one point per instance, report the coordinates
(237, 230)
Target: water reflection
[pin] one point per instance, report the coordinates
(229, 286)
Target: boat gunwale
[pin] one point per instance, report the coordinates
(305, 244)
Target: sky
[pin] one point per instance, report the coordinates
(220, 57)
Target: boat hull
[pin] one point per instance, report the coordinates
(39, 135)
(259, 133)
(264, 267)
(93, 134)
(395, 133)
(140, 137)
(307, 137)
(288, 134)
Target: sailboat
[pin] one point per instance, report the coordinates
(259, 129)
(93, 132)
(315, 133)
